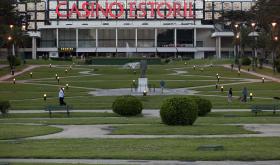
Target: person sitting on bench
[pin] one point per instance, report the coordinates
(61, 96)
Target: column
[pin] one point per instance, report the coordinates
(218, 47)
(34, 48)
(77, 38)
(96, 36)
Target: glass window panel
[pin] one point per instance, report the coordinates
(106, 37)
(165, 38)
(67, 38)
(126, 37)
(145, 38)
(87, 38)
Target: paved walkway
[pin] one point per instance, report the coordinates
(104, 131)
(3, 66)
(145, 112)
(9, 76)
(255, 74)
(142, 162)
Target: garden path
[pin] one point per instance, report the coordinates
(104, 131)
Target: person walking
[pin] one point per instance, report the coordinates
(245, 94)
(61, 96)
(230, 94)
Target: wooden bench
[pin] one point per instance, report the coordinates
(58, 108)
(261, 108)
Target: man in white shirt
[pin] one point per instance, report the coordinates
(61, 96)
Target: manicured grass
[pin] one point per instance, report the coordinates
(48, 164)
(59, 115)
(142, 120)
(160, 129)
(30, 96)
(85, 121)
(155, 149)
(15, 131)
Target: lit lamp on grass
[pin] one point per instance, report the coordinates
(218, 78)
(45, 97)
(56, 76)
(66, 71)
(194, 67)
(251, 96)
(185, 63)
(217, 75)
(14, 81)
(50, 65)
(67, 86)
(222, 88)
(216, 86)
(263, 80)
(31, 74)
(58, 80)
(145, 93)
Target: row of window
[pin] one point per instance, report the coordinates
(87, 38)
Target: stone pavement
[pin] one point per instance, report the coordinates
(104, 131)
(9, 76)
(140, 162)
(145, 112)
(255, 74)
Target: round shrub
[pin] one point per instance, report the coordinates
(4, 106)
(127, 106)
(179, 111)
(204, 105)
(246, 61)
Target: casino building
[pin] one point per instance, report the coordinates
(125, 28)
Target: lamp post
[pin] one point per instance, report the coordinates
(274, 40)
(14, 80)
(222, 88)
(263, 80)
(10, 39)
(58, 80)
(67, 86)
(254, 63)
(251, 96)
(236, 45)
(45, 97)
(31, 74)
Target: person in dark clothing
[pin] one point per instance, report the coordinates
(230, 94)
(245, 94)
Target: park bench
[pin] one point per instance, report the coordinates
(261, 108)
(58, 108)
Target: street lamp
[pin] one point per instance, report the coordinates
(274, 24)
(11, 26)
(45, 97)
(254, 63)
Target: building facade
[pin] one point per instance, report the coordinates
(124, 28)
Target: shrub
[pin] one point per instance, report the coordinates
(13, 60)
(204, 105)
(179, 111)
(277, 65)
(4, 106)
(127, 106)
(246, 61)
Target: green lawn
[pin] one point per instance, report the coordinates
(154, 149)
(30, 95)
(160, 129)
(15, 131)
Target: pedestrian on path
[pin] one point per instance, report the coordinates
(61, 96)
(230, 94)
(244, 94)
